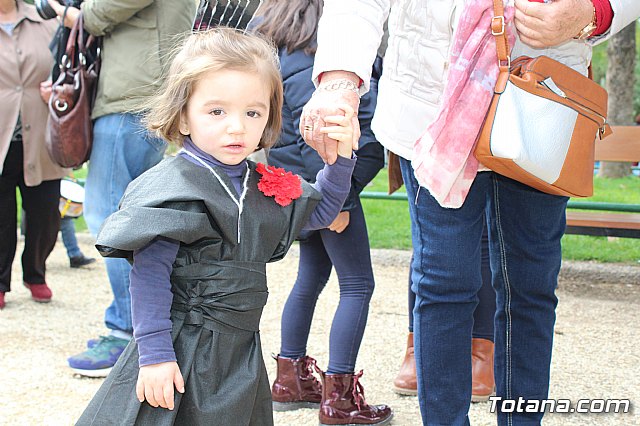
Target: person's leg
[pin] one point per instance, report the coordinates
(482, 348)
(405, 382)
(11, 175)
(343, 392)
(68, 231)
(351, 257)
(77, 259)
(411, 299)
(40, 204)
(314, 268)
(526, 227)
(446, 278)
(295, 385)
(122, 150)
(485, 312)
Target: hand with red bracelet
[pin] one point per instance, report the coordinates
(544, 24)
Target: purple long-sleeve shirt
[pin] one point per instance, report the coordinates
(150, 288)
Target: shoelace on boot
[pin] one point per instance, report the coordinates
(310, 366)
(314, 364)
(358, 390)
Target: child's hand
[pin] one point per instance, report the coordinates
(341, 222)
(155, 384)
(343, 131)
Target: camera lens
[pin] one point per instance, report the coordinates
(44, 9)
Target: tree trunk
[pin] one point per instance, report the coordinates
(621, 52)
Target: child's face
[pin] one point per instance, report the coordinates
(226, 114)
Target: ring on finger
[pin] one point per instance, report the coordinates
(308, 128)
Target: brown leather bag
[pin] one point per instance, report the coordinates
(542, 122)
(69, 125)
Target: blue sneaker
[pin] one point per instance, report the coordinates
(98, 360)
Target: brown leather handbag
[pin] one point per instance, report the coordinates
(72, 94)
(542, 123)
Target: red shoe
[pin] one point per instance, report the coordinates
(40, 293)
(2, 304)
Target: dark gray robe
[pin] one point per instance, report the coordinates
(219, 290)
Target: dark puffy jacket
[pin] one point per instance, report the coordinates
(293, 154)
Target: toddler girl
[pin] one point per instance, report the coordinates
(199, 228)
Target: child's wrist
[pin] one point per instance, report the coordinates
(345, 151)
(346, 154)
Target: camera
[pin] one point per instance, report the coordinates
(46, 11)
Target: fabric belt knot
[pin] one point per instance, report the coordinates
(194, 301)
(227, 293)
(194, 314)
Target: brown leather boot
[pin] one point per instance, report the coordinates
(483, 382)
(405, 382)
(295, 385)
(343, 402)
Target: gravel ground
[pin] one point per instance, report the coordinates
(596, 354)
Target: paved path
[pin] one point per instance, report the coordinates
(596, 354)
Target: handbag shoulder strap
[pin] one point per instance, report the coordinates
(498, 30)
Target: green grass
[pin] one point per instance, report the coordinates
(389, 225)
(388, 221)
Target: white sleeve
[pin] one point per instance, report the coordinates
(349, 35)
(624, 13)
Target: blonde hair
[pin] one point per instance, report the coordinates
(214, 50)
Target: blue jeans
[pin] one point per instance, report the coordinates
(68, 231)
(525, 228)
(122, 151)
(486, 309)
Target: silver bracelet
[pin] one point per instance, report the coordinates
(340, 84)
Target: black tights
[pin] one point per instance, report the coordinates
(349, 253)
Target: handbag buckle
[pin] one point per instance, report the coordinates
(497, 22)
(507, 62)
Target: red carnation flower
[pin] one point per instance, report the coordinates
(275, 182)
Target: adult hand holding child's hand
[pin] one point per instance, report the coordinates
(328, 101)
(344, 132)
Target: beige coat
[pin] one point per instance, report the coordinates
(25, 61)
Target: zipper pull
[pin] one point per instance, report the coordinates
(551, 85)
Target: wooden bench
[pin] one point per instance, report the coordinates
(622, 145)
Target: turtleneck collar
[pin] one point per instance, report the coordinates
(233, 171)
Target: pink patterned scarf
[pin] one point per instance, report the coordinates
(443, 160)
